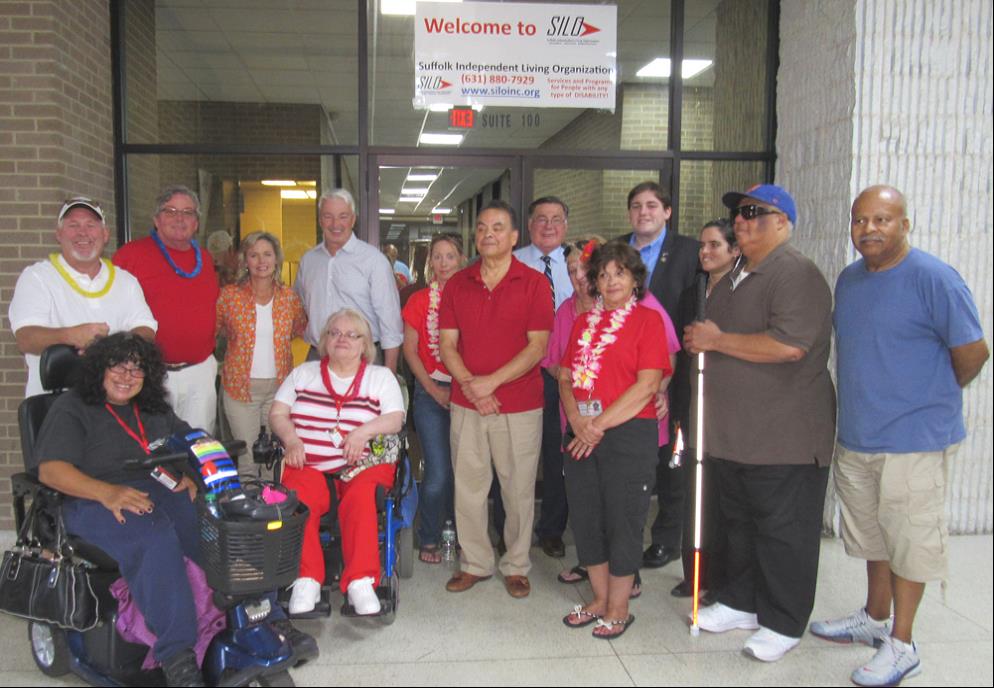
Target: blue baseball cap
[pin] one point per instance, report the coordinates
(770, 194)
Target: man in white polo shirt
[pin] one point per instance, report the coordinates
(75, 296)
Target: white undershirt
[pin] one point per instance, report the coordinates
(264, 353)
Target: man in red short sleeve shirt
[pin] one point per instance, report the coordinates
(181, 288)
(494, 325)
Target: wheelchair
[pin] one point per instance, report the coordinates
(250, 650)
(396, 509)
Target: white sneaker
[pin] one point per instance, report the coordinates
(858, 627)
(894, 662)
(306, 594)
(719, 618)
(769, 646)
(363, 597)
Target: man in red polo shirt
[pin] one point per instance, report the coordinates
(181, 288)
(494, 325)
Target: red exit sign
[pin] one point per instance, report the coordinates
(462, 118)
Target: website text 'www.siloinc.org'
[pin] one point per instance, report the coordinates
(502, 92)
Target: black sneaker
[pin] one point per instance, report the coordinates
(181, 670)
(303, 644)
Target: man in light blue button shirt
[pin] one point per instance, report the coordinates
(345, 272)
(547, 225)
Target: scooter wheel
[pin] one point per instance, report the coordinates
(49, 648)
(405, 553)
(280, 678)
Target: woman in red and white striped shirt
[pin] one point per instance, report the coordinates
(326, 412)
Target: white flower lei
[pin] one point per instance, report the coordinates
(587, 362)
(434, 300)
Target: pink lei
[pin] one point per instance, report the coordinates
(587, 362)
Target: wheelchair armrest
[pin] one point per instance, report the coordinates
(26, 486)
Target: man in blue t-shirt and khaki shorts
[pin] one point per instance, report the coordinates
(908, 339)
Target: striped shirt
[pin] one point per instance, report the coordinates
(315, 415)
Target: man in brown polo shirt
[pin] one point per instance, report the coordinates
(769, 423)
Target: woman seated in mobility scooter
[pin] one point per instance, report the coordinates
(116, 410)
(325, 413)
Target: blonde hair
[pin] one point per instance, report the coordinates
(361, 324)
(250, 241)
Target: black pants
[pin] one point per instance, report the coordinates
(772, 519)
(610, 492)
(668, 526)
(712, 535)
(553, 515)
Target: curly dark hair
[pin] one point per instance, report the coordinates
(622, 254)
(124, 347)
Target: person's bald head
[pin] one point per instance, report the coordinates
(879, 227)
(886, 193)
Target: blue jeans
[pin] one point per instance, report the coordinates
(149, 550)
(432, 424)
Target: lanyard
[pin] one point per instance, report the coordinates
(351, 393)
(142, 440)
(179, 271)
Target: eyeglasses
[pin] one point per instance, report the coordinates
(336, 334)
(171, 212)
(554, 221)
(122, 370)
(751, 212)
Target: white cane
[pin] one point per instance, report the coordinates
(702, 296)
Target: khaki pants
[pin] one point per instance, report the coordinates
(245, 417)
(511, 443)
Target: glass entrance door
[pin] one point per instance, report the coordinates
(415, 197)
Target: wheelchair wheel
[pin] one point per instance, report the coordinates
(405, 553)
(391, 615)
(49, 648)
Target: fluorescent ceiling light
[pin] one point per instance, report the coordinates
(445, 107)
(661, 66)
(387, 211)
(293, 194)
(278, 182)
(416, 200)
(441, 211)
(441, 139)
(310, 183)
(402, 7)
(422, 177)
(414, 192)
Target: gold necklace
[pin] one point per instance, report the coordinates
(54, 257)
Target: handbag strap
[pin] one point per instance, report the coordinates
(29, 519)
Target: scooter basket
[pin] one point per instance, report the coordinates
(249, 557)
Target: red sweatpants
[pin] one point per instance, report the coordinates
(356, 519)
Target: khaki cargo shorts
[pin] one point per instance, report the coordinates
(893, 509)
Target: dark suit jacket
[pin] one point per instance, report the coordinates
(674, 274)
(678, 263)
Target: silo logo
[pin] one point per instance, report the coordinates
(432, 83)
(567, 26)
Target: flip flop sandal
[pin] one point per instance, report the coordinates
(430, 554)
(586, 618)
(575, 575)
(624, 624)
(636, 587)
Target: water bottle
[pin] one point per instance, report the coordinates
(448, 542)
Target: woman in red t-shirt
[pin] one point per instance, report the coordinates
(610, 373)
(431, 392)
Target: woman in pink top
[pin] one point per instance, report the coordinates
(566, 315)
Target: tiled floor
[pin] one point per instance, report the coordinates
(483, 637)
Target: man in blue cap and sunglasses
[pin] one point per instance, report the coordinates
(769, 423)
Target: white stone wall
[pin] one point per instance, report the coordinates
(903, 96)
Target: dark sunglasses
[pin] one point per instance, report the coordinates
(751, 212)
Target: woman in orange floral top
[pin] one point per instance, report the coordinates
(259, 317)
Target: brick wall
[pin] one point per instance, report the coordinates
(903, 96)
(56, 139)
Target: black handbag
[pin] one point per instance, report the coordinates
(47, 585)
